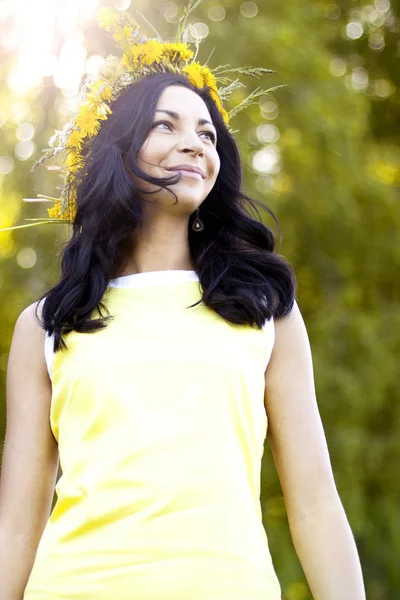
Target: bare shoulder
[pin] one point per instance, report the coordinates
(295, 431)
(28, 315)
(29, 319)
(291, 348)
(291, 324)
(29, 333)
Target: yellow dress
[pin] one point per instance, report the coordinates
(160, 423)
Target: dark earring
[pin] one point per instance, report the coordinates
(198, 224)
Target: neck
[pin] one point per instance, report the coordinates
(168, 253)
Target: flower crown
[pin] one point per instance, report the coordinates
(142, 56)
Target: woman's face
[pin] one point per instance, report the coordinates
(180, 140)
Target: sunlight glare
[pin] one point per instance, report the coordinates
(47, 41)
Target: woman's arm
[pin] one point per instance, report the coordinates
(320, 530)
(30, 460)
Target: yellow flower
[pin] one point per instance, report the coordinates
(194, 74)
(101, 90)
(98, 108)
(129, 60)
(73, 161)
(88, 121)
(123, 36)
(200, 75)
(107, 18)
(225, 115)
(75, 140)
(147, 53)
(217, 100)
(69, 213)
(72, 206)
(55, 211)
(209, 78)
(178, 51)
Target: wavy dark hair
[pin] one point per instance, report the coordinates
(242, 278)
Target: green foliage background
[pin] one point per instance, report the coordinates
(335, 194)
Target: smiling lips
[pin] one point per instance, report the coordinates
(189, 171)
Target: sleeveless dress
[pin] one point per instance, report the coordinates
(160, 423)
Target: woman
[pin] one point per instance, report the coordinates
(158, 411)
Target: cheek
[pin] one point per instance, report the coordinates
(215, 165)
(150, 153)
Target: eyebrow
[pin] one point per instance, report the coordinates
(175, 115)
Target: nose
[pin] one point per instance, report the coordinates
(190, 142)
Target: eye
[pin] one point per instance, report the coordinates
(161, 123)
(209, 133)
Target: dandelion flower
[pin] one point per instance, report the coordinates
(87, 121)
(193, 72)
(175, 52)
(102, 90)
(216, 98)
(148, 53)
(208, 78)
(75, 140)
(73, 161)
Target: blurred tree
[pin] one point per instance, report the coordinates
(323, 153)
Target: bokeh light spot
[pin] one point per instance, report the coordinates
(269, 109)
(382, 6)
(6, 165)
(216, 13)
(94, 64)
(121, 4)
(26, 258)
(332, 11)
(267, 133)
(24, 150)
(169, 10)
(338, 66)
(252, 136)
(354, 30)
(376, 41)
(266, 160)
(359, 79)
(199, 30)
(384, 88)
(25, 132)
(71, 65)
(249, 9)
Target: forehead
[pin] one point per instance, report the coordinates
(184, 101)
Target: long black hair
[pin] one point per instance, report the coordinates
(242, 278)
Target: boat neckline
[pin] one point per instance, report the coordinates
(153, 278)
